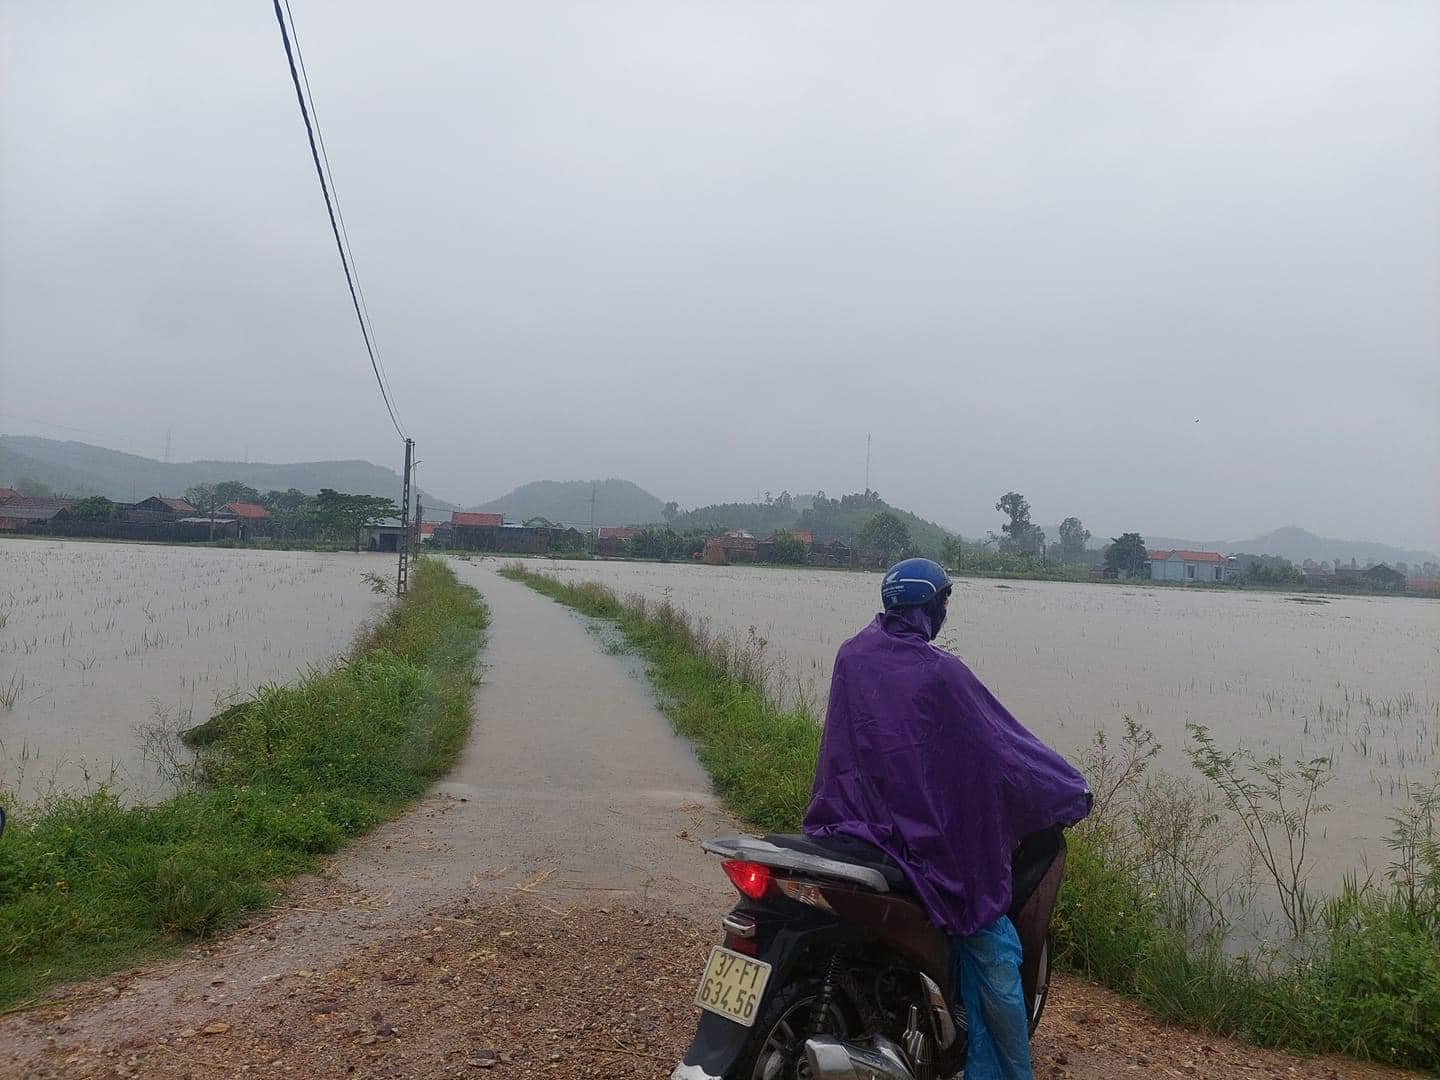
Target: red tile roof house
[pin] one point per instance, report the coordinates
(473, 531)
(463, 519)
(739, 546)
(253, 511)
(611, 540)
(17, 515)
(252, 518)
(1191, 566)
(6, 494)
(734, 546)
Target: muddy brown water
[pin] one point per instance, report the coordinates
(1353, 677)
(101, 640)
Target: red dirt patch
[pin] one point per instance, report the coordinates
(523, 989)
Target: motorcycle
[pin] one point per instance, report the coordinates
(830, 969)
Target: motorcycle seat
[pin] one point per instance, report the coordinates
(846, 849)
(1031, 861)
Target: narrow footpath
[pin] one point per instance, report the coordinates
(571, 791)
(543, 912)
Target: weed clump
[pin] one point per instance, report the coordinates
(1146, 907)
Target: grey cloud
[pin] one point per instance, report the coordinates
(710, 246)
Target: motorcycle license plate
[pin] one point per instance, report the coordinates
(732, 985)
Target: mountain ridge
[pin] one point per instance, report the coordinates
(616, 502)
(78, 468)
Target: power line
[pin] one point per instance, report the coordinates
(339, 211)
(334, 225)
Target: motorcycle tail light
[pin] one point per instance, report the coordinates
(752, 879)
(806, 892)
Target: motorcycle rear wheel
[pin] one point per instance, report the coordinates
(1042, 985)
(777, 1049)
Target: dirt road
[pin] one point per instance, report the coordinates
(543, 912)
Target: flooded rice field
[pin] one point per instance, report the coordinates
(99, 642)
(1353, 677)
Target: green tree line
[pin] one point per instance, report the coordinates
(328, 516)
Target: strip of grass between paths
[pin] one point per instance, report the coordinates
(1372, 988)
(88, 883)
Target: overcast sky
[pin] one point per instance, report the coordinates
(709, 246)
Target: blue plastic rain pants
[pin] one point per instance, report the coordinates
(986, 967)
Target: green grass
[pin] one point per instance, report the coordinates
(1371, 985)
(1370, 988)
(88, 883)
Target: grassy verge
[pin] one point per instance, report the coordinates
(1370, 981)
(88, 883)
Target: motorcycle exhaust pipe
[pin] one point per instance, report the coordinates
(831, 1059)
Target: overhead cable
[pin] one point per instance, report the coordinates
(330, 209)
(339, 210)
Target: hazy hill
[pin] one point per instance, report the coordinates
(758, 519)
(843, 518)
(835, 519)
(617, 502)
(76, 468)
(1297, 544)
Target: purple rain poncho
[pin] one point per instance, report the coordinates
(919, 759)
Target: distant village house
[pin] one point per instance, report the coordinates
(739, 546)
(475, 531)
(385, 535)
(160, 504)
(21, 514)
(614, 541)
(252, 520)
(1190, 566)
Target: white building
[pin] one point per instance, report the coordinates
(1191, 566)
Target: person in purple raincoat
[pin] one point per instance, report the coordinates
(919, 759)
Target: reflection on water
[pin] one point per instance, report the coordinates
(1355, 677)
(98, 640)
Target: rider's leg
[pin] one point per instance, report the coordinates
(986, 967)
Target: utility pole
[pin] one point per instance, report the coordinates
(402, 576)
(867, 463)
(168, 433)
(594, 486)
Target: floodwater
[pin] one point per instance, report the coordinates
(98, 641)
(1353, 677)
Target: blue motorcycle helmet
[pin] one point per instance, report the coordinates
(920, 583)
